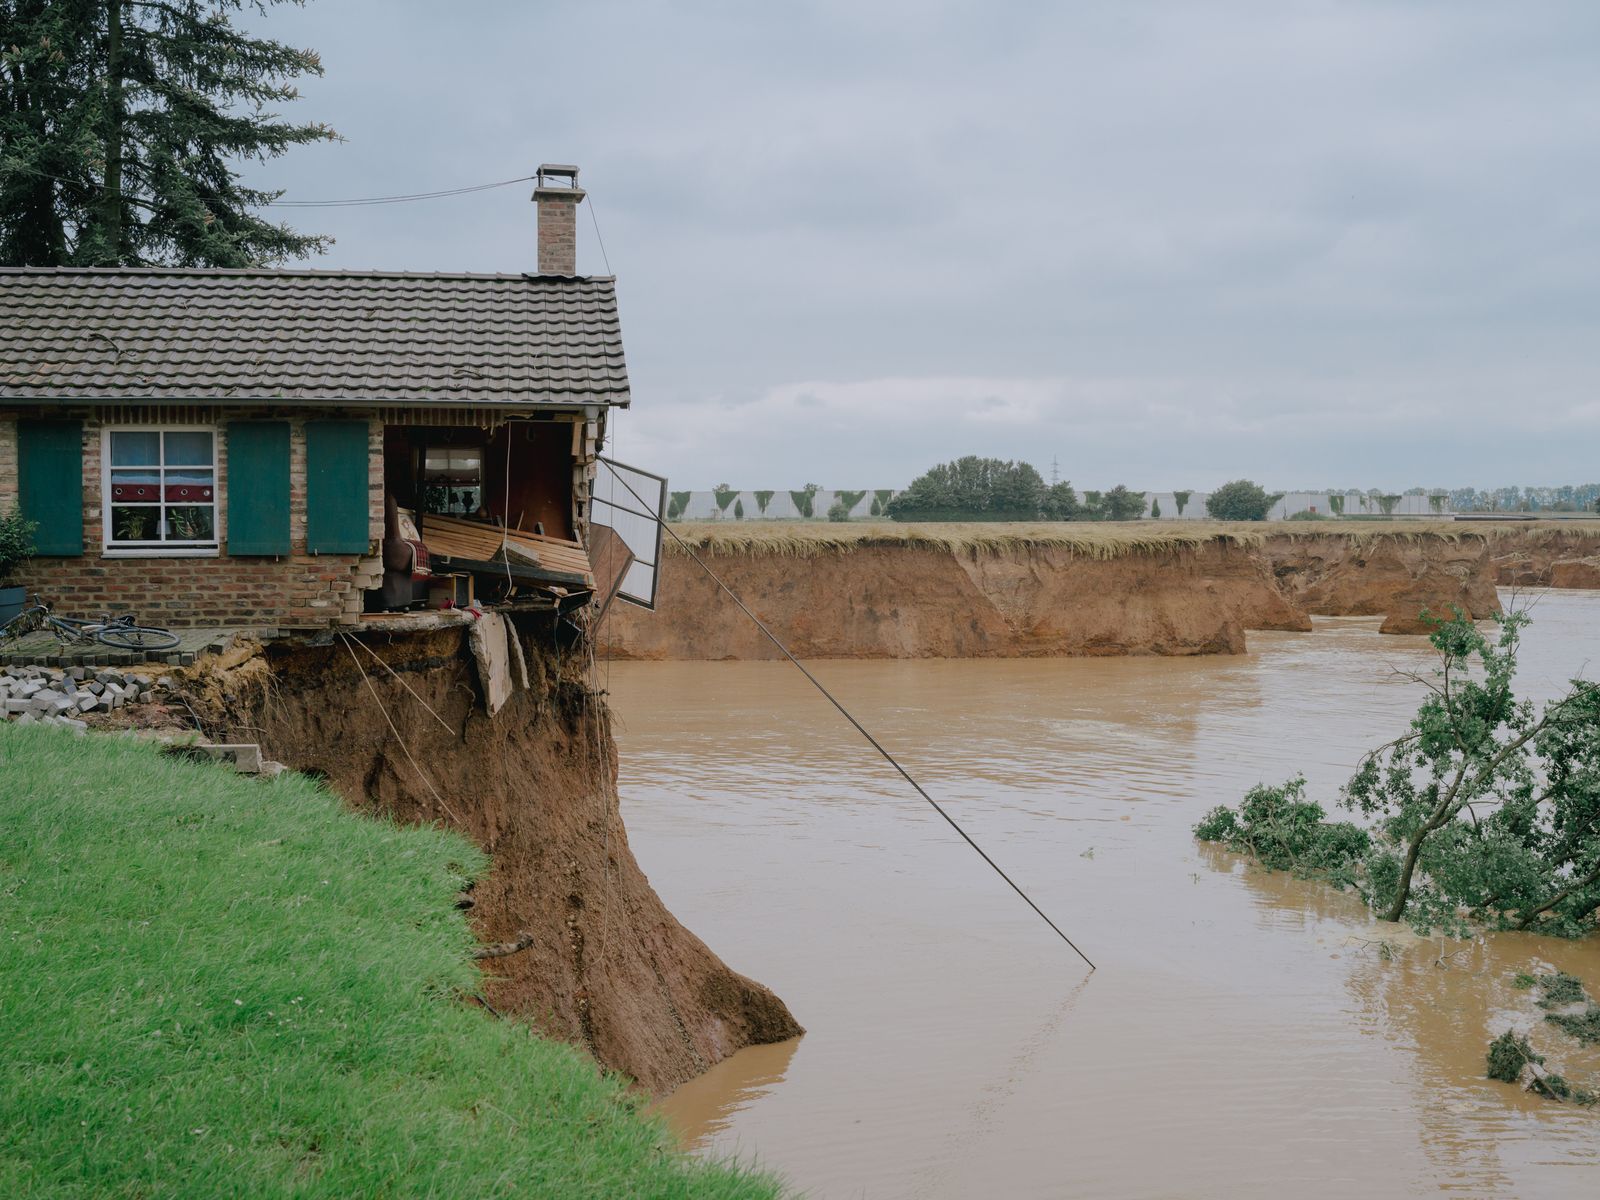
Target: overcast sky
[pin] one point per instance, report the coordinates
(1168, 244)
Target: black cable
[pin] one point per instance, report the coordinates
(365, 200)
(596, 222)
(861, 729)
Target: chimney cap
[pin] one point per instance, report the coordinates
(552, 171)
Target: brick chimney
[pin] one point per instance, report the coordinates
(558, 218)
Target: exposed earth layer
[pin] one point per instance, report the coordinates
(971, 591)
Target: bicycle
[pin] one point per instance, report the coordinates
(118, 632)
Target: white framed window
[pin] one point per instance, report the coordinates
(159, 484)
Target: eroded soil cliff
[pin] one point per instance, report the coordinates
(1565, 556)
(911, 601)
(535, 786)
(1397, 578)
(889, 597)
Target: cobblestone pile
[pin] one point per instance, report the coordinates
(65, 695)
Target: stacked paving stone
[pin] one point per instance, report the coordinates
(64, 695)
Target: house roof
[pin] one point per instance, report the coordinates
(343, 336)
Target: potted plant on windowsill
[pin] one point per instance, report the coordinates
(16, 547)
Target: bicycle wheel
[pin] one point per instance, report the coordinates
(135, 637)
(24, 623)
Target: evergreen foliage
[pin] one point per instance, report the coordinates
(1182, 499)
(763, 499)
(1485, 812)
(1155, 510)
(738, 510)
(972, 489)
(725, 496)
(122, 123)
(676, 504)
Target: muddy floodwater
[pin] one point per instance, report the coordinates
(1242, 1037)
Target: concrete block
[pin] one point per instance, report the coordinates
(27, 718)
(244, 758)
(18, 704)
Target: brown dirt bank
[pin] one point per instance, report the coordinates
(535, 786)
(954, 591)
(1549, 554)
(1396, 578)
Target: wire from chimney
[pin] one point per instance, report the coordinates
(460, 191)
(365, 200)
(596, 222)
(860, 728)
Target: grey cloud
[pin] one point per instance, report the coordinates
(1316, 242)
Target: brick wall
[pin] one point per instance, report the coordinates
(297, 591)
(8, 461)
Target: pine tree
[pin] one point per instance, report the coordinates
(121, 123)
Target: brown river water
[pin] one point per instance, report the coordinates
(1242, 1037)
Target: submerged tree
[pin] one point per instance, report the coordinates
(1486, 811)
(122, 123)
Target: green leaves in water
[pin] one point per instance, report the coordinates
(1283, 830)
(1485, 812)
(1560, 989)
(1511, 1053)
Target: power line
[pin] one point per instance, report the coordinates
(460, 191)
(606, 258)
(356, 202)
(860, 728)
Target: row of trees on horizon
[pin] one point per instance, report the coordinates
(976, 488)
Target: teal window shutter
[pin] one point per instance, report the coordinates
(258, 487)
(336, 487)
(50, 483)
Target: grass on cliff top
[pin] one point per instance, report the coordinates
(215, 986)
(1092, 539)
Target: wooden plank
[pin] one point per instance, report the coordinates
(456, 538)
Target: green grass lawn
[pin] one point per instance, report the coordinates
(214, 986)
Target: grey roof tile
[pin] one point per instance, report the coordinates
(362, 336)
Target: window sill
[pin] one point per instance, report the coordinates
(164, 552)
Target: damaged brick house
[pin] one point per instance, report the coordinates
(289, 448)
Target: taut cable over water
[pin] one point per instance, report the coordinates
(844, 712)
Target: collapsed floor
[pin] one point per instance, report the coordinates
(397, 724)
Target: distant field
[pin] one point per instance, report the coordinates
(216, 986)
(1093, 539)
